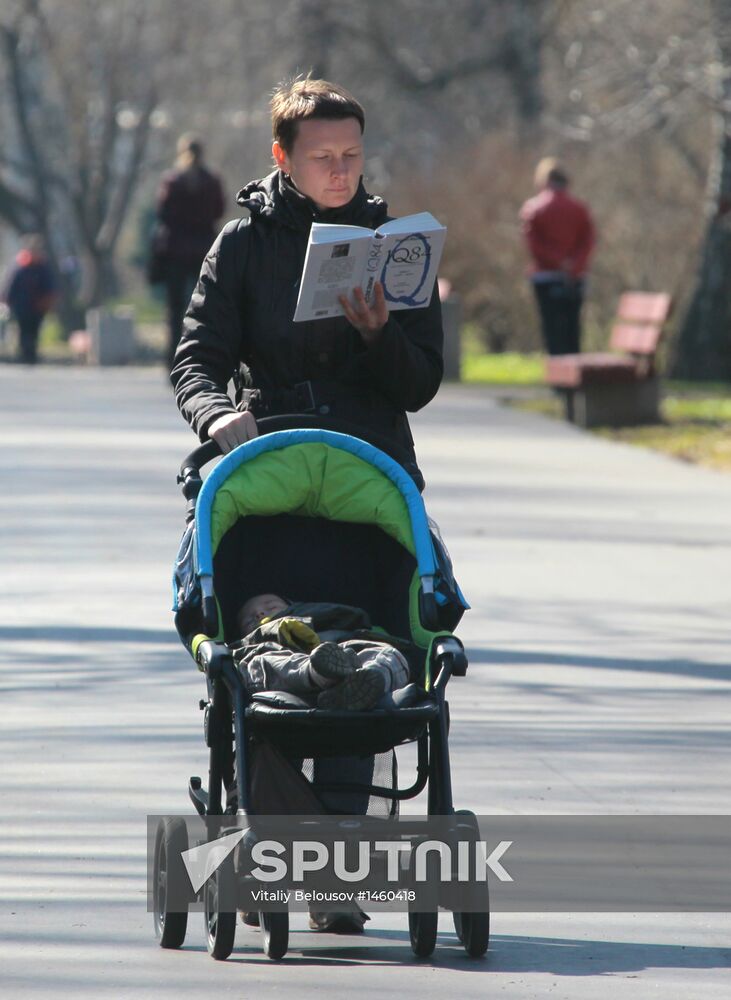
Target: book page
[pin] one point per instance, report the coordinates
(322, 232)
(331, 269)
(407, 267)
(420, 222)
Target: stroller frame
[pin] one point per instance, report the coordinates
(426, 723)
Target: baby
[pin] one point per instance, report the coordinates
(313, 650)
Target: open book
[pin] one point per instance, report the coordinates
(402, 254)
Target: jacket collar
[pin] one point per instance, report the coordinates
(276, 197)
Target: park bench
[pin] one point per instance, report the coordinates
(619, 387)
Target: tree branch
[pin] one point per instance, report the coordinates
(39, 174)
(17, 210)
(428, 80)
(111, 228)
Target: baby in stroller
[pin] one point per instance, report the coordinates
(325, 653)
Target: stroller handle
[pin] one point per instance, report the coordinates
(206, 452)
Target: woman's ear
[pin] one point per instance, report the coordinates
(280, 157)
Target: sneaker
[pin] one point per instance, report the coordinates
(357, 693)
(333, 662)
(339, 921)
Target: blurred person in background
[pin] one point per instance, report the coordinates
(30, 293)
(559, 235)
(190, 202)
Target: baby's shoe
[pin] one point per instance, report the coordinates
(330, 662)
(357, 693)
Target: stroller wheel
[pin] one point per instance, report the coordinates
(274, 933)
(219, 911)
(423, 933)
(473, 930)
(423, 922)
(170, 897)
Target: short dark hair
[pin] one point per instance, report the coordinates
(551, 171)
(301, 98)
(190, 150)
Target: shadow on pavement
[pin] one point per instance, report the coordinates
(73, 633)
(675, 667)
(576, 957)
(507, 953)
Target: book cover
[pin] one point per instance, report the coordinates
(402, 254)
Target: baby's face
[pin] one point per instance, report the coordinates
(256, 608)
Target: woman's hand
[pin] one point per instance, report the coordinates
(233, 429)
(369, 321)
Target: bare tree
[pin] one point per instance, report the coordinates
(429, 50)
(633, 76)
(460, 95)
(81, 85)
(703, 349)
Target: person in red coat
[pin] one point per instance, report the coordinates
(190, 202)
(559, 234)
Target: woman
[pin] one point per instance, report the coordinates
(366, 367)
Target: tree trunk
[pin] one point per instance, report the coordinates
(100, 278)
(316, 38)
(703, 348)
(523, 60)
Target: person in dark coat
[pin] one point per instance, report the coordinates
(367, 367)
(559, 236)
(30, 294)
(190, 202)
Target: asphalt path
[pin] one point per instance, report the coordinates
(599, 684)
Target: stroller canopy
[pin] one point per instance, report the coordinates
(316, 474)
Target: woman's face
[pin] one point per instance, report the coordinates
(326, 160)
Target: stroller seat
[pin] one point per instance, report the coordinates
(299, 730)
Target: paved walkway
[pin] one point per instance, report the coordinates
(599, 683)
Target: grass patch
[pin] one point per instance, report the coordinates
(696, 427)
(51, 335)
(546, 406)
(696, 423)
(148, 305)
(509, 368)
(701, 445)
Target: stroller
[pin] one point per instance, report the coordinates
(311, 510)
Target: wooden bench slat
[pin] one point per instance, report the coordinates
(644, 307)
(573, 370)
(636, 338)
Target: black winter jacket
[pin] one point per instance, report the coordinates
(240, 319)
